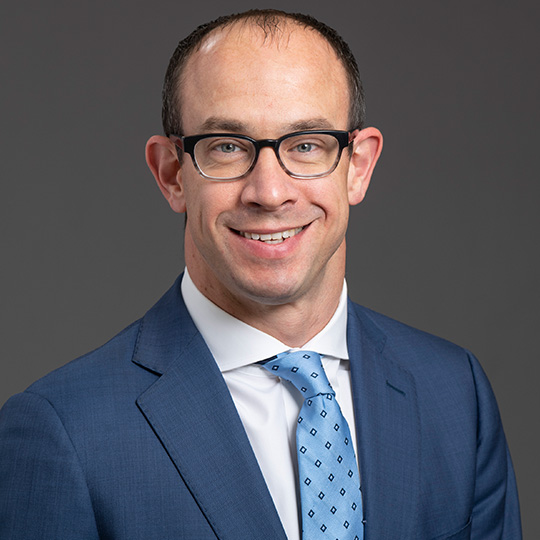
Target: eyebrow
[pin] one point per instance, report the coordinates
(313, 123)
(217, 124)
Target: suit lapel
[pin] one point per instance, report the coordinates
(191, 411)
(388, 432)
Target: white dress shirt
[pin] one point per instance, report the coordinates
(268, 406)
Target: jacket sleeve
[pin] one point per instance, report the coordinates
(496, 512)
(43, 492)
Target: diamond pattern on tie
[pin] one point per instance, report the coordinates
(329, 481)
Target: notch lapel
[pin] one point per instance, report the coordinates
(388, 432)
(191, 411)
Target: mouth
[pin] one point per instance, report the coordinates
(271, 238)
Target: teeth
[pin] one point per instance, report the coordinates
(273, 238)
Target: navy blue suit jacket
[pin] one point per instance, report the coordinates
(140, 440)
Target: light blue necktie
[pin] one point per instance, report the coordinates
(328, 474)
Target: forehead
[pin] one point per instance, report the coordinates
(289, 75)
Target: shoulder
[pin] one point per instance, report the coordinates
(425, 355)
(95, 386)
(120, 370)
(398, 334)
(83, 403)
(113, 359)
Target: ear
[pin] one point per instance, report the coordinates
(367, 147)
(162, 159)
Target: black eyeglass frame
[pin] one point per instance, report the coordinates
(187, 144)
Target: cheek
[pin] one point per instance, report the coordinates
(332, 196)
(205, 203)
(337, 212)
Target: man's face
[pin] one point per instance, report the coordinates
(238, 83)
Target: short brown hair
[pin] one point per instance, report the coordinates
(268, 20)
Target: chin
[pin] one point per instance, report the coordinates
(274, 291)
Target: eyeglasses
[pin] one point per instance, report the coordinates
(303, 154)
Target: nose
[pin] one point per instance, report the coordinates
(268, 186)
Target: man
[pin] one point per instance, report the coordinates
(179, 426)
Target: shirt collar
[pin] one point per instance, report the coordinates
(235, 344)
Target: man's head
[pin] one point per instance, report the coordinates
(273, 23)
(265, 239)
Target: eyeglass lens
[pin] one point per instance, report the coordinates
(301, 155)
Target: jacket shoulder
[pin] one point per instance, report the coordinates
(413, 349)
(109, 361)
(397, 330)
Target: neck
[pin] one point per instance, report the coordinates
(293, 323)
(293, 320)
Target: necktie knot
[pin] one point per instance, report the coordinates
(304, 369)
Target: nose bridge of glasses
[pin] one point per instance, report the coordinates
(267, 143)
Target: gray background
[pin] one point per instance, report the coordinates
(447, 239)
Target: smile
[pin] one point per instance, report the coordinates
(272, 238)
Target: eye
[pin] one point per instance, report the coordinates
(304, 147)
(228, 147)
